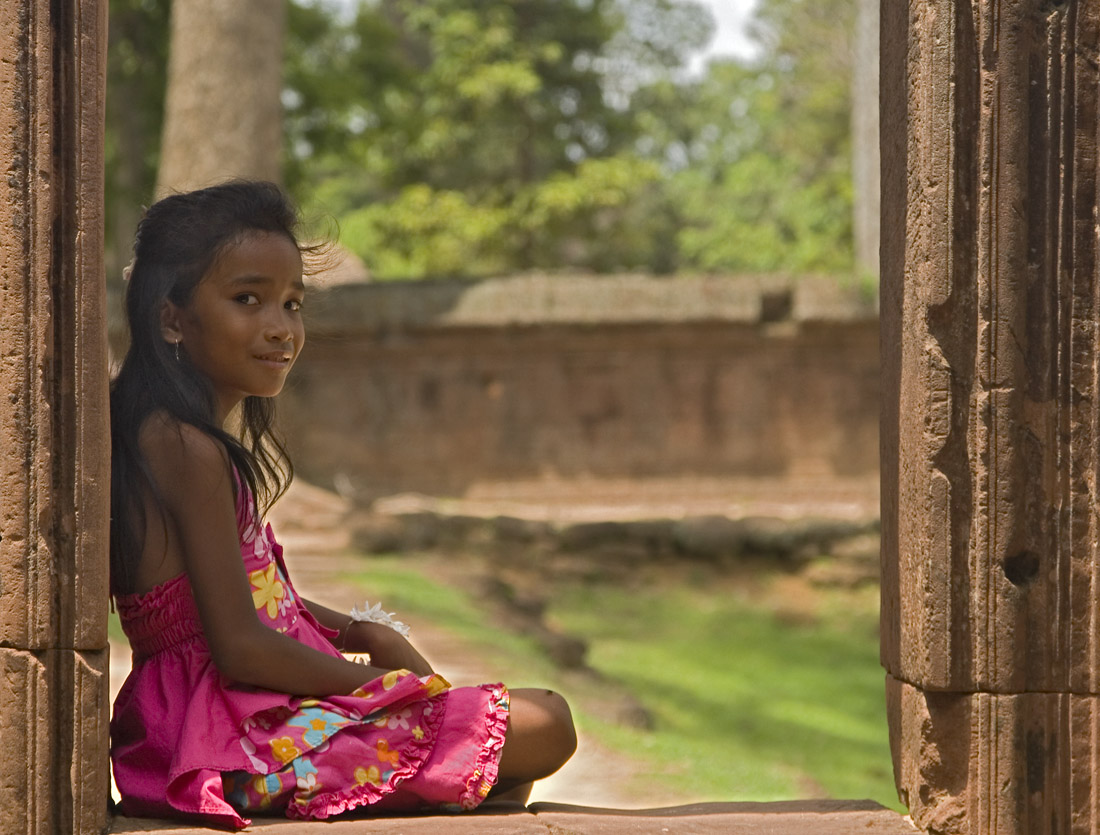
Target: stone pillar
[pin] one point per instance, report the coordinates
(54, 453)
(991, 413)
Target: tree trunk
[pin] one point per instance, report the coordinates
(223, 115)
(865, 155)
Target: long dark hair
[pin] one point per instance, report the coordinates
(177, 242)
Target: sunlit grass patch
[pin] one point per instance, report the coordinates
(748, 703)
(404, 586)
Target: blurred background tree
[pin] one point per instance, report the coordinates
(222, 111)
(137, 75)
(758, 151)
(449, 137)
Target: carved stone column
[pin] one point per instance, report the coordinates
(991, 415)
(54, 453)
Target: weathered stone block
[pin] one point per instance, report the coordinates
(426, 389)
(53, 731)
(989, 312)
(54, 459)
(54, 452)
(990, 509)
(979, 763)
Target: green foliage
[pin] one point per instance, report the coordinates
(759, 150)
(482, 97)
(456, 138)
(424, 231)
(772, 220)
(605, 213)
(485, 139)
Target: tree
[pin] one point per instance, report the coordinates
(758, 150)
(137, 58)
(223, 114)
(482, 137)
(865, 139)
(457, 138)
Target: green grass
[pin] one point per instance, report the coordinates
(403, 585)
(752, 698)
(114, 629)
(747, 704)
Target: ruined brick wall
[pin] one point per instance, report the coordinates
(991, 596)
(436, 387)
(54, 464)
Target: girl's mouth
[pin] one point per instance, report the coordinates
(277, 359)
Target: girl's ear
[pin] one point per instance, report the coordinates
(170, 322)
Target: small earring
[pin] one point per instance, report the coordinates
(177, 350)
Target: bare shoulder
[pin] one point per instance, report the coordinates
(185, 461)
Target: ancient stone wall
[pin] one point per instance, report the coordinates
(435, 387)
(54, 460)
(990, 412)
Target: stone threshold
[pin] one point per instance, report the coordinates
(794, 817)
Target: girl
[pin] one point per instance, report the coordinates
(240, 700)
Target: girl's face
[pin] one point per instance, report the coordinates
(243, 325)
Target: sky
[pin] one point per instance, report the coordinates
(731, 16)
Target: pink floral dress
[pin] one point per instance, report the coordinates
(187, 742)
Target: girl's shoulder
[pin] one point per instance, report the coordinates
(162, 434)
(181, 456)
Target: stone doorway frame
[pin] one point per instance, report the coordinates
(54, 452)
(990, 427)
(991, 432)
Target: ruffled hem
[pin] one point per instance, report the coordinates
(346, 799)
(487, 766)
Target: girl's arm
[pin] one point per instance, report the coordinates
(387, 648)
(193, 475)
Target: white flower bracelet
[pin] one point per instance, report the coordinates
(375, 614)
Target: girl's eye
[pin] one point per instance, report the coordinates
(248, 298)
(294, 305)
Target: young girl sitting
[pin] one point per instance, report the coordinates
(240, 700)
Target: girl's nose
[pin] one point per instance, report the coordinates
(279, 329)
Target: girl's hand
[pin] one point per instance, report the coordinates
(387, 649)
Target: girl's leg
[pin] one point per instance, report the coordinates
(539, 740)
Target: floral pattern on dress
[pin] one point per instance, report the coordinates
(283, 749)
(268, 591)
(371, 775)
(285, 744)
(318, 724)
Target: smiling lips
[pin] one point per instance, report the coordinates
(279, 358)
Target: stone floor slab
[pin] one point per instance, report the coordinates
(510, 818)
(800, 817)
